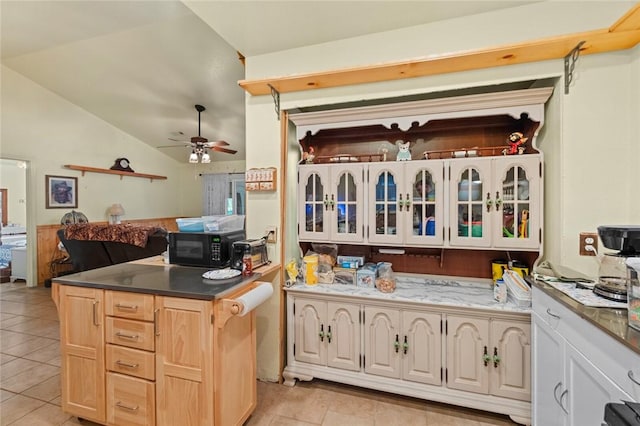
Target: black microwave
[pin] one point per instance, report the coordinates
(205, 249)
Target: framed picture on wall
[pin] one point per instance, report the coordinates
(62, 192)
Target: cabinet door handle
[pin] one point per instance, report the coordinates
(321, 334)
(489, 202)
(329, 334)
(633, 379)
(130, 307)
(498, 201)
(556, 316)
(555, 395)
(405, 345)
(496, 358)
(126, 407)
(95, 312)
(156, 329)
(126, 364)
(127, 336)
(326, 201)
(485, 357)
(396, 344)
(407, 203)
(562, 395)
(400, 203)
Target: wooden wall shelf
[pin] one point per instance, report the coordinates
(84, 169)
(624, 34)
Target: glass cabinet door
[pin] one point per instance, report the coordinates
(314, 204)
(424, 221)
(346, 203)
(517, 201)
(385, 202)
(471, 199)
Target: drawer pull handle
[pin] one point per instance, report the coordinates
(156, 330)
(127, 336)
(556, 316)
(130, 307)
(633, 379)
(126, 407)
(126, 364)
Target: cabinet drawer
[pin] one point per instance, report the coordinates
(133, 362)
(134, 334)
(130, 401)
(129, 305)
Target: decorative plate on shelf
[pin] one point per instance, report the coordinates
(221, 274)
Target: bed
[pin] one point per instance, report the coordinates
(14, 246)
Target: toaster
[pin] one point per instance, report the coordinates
(257, 248)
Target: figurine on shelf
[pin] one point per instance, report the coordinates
(516, 144)
(383, 150)
(403, 151)
(309, 156)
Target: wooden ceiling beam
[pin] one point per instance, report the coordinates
(624, 34)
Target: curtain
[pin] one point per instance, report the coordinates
(216, 189)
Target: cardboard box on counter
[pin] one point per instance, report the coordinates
(366, 276)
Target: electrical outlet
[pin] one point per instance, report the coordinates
(272, 234)
(588, 239)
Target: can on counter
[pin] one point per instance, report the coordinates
(497, 268)
(310, 269)
(521, 268)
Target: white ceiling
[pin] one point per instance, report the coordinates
(143, 65)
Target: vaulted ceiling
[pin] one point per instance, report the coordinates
(143, 65)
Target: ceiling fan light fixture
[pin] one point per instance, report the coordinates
(193, 158)
(205, 158)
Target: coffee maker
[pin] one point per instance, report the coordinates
(613, 279)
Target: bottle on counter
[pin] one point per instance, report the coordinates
(247, 266)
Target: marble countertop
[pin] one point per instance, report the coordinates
(161, 279)
(425, 290)
(613, 322)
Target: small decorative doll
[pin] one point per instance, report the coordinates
(309, 156)
(516, 143)
(403, 151)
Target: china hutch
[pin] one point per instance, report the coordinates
(467, 195)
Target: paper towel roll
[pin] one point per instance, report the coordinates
(251, 299)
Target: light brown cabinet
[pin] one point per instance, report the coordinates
(82, 352)
(140, 359)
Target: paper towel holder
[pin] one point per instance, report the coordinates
(232, 307)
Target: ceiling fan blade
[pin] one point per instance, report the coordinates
(173, 146)
(220, 149)
(178, 140)
(216, 143)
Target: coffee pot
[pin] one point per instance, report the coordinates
(613, 278)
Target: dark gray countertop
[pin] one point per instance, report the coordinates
(163, 280)
(614, 322)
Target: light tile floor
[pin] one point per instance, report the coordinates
(30, 382)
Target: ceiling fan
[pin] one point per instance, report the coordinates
(200, 145)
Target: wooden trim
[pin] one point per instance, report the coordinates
(624, 34)
(4, 199)
(84, 169)
(284, 136)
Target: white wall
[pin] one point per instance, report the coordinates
(14, 179)
(581, 134)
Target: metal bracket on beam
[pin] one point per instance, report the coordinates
(276, 99)
(569, 65)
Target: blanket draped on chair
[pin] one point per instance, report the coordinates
(129, 234)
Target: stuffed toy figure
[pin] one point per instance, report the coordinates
(403, 151)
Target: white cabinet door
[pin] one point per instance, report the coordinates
(516, 208)
(421, 345)
(386, 184)
(510, 366)
(346, 203)
(343, 336)
(468, 354)
(382, 341)
(309, 325)
(588, 390)
(424, 197)
(313, 202)
(470, 192)
(548, 373)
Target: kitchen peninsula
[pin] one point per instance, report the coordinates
(147, 343)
